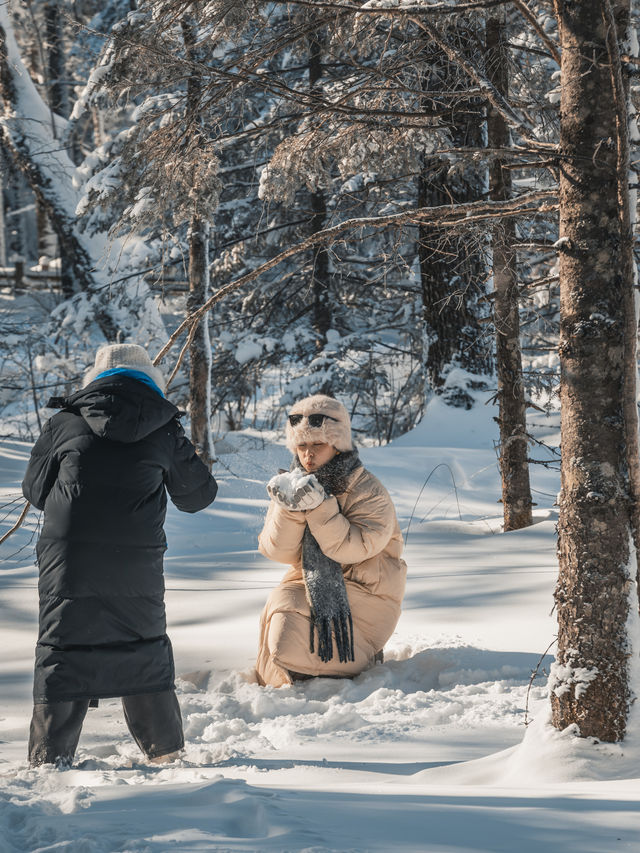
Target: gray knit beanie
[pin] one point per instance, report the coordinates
(129, 356)
(335, 429)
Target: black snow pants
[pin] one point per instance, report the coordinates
(154, 721)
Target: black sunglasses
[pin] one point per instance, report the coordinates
(314, 420)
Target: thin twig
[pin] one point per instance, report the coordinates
(534, 673)
(455, 489)
(417, 9)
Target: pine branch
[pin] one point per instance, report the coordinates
(489, 90)
(442, 215)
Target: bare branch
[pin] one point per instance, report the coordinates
(386, 11)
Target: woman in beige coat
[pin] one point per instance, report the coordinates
(334, 523)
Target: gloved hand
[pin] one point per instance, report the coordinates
(295, 492)
(309, 494)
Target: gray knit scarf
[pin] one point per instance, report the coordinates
(323, 578)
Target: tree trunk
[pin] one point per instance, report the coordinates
(512, 420)
(451, 267)
(57, 94)
(97, 123)
(320, 257)
(320, 273)
(590, 681)
(59, 103)
(47, 241)
(200, 347)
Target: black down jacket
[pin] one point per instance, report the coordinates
(99, 470)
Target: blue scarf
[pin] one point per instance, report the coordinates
(133, 374)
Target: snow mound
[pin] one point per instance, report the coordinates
(415, 690)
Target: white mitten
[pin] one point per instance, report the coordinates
(296, 491)
(309, 494)
(280, 491)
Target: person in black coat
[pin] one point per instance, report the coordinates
(100, 471)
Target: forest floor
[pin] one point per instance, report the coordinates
(428, 751)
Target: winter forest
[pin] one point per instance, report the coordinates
(426, 209)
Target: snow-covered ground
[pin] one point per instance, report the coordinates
(427, 752)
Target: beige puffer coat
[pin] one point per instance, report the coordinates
(359, 530)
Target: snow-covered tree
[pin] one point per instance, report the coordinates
(160, 172)
(105, 299)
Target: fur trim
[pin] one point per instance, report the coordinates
(129, 356)
(336, 432)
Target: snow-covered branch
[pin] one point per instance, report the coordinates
(442, 216)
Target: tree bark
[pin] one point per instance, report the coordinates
(320, 273)
(3, 223)
(590, 681)
(512, 420)
(59, 102)
(47, 241)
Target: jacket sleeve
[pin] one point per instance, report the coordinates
(363, 534)
(190, 485)
(281, 536)
(42, 469)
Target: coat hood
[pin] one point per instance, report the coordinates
(119, 408)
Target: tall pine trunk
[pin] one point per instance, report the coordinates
(59, 102)
(320, 273)
(3, 223)
(598, 500)
(512, 420)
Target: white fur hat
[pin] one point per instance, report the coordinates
(335, 429)
(130, 356)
